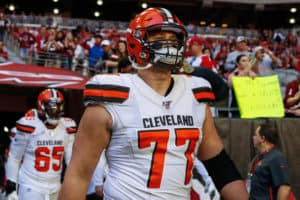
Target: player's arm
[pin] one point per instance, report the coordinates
(99, 173)
(71, 130)
(16, 153)
(218, 164)
(92, 137)
(68, 148)
(283, 192)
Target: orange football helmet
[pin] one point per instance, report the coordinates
(142, 52)
(50, 104)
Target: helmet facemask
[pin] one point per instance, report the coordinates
(163, 53)
(53, 111)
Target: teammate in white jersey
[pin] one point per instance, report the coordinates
(150, 123)
(42, 139)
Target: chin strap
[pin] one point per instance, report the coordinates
(136, 66)
(51, 121)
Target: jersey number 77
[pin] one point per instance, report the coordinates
(160, 138)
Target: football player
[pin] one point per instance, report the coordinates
(42, 138)
(152, 124)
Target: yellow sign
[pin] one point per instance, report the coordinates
(258, 97)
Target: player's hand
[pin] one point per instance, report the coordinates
(212, 191)
(12, 196)
(99, 190)
(10, 187)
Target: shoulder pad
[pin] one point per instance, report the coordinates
(26, 125)
(106, 88)
(202, 90)
(12, 132)
(31, 113)
(70, 125)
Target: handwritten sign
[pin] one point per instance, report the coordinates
(258, 97)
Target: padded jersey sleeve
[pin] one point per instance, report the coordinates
(105, 89)
(71, 129)
(202, 90)
(24, 129)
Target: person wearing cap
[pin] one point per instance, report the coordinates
(197, 58)
(241, 48)
(110, 59)
(265, 60)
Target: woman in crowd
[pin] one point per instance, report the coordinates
(244, 68)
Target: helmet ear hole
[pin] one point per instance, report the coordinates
(143, 55)
(132, 46)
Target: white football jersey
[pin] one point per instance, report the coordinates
(41, 151)
(154, 138)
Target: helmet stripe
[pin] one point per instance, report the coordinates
(168, 14)
(54, 93)
(163, 15)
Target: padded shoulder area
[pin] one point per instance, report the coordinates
(110, 88)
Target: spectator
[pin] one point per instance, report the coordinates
(269, 171)
(213, 63)
(298, 38)
(197, 58)
(221, 56)
(3, 53)
(110, 59)
(3, 23)
(292, 96)
(79, 58)
(52, 47)
(243, 68)
(38, 46)
(265, 60)
(96, 54)
(286, 58)
(113, 60)
(241, 48)
(26, 40)
(296, 59)
(69, 48)
(278, 36)
(122, 49)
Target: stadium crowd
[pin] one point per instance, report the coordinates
(94, 46)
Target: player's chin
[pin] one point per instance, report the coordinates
(163, 67)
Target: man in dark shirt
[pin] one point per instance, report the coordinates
(269, 172)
